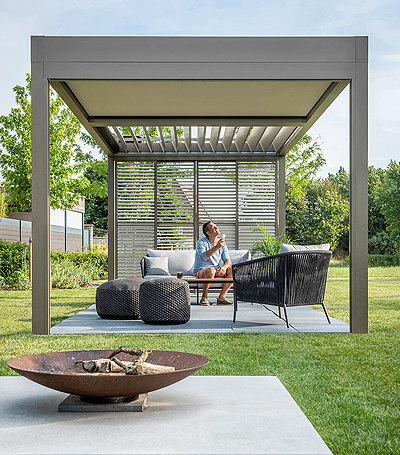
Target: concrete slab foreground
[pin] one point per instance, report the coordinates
(201, 414)
(210, 319)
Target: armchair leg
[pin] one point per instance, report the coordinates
(326, 313)
(234, 306)
(279, 309)
(286, 316)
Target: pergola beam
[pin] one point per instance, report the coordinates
(197, 121)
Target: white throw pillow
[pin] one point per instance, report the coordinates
(286, 248)
(239, 256)
(156, 266)
(178, 260)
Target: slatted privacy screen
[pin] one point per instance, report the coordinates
(175, 205)
(217, 189)
(135, 215)
(257, 200)
(164, 205)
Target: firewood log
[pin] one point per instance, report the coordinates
(117, 366)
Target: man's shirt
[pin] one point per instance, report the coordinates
(216, 260)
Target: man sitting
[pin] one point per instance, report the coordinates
(212, 261)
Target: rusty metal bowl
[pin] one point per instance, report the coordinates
(59, 371)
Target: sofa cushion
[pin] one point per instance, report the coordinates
(286, 248)
(178, 260)
(157, 266)
(166, 277)
(239, 256)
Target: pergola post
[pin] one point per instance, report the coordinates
(40, 202)
(359, 191)
(112, 221)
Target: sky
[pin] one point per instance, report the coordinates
(377, 19)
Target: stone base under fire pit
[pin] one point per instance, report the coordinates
(73, 403)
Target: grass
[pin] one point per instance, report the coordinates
(347, 385)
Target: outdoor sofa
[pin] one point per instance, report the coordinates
(166, 263)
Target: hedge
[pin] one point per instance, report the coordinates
(383, 260)
(14, 257)
(97, 260)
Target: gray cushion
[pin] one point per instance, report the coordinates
(157, 265)
(178, 260)
(165, 277)
(122, 284)
(239, 256)
(286, 248)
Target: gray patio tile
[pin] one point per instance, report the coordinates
(210, 319)
(202, 414)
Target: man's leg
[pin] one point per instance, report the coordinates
(208, 272)
(226, 286)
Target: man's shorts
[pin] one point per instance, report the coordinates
(202, 273)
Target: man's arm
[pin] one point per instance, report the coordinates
(215, 248)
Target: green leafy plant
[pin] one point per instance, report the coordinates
(66, 275)
(96, 262)
(268, 245)
(13, 258)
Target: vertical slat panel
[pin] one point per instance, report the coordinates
(256, 200)
(135, 215)
(175, 200)
(217, 198)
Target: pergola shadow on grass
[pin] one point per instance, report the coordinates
(225, 100)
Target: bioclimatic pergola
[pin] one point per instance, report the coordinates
(224, 100)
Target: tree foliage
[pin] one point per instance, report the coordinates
(317, 217)
(67, 160)
(390, 199)
(303, 162)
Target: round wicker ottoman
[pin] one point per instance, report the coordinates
(164, 301)
(119, 299)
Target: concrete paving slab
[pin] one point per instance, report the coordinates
(201, 414)
(210, 319)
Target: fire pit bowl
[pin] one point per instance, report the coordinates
(59, 371)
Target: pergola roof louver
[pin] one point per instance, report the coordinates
(254, 117)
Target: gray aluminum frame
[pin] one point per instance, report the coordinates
(342, 60)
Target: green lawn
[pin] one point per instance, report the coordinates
(347, 385)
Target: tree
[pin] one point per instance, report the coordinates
(96, 203)
(303, 162)
(67, 160)
(319, 216)
(389, 196)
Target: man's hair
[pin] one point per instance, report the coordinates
(205, 228)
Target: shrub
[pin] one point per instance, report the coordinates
(66, 275)
(382, 243)
(383, 260)
(97, 263)
(13, 258)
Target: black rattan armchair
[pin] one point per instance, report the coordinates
(288, 279)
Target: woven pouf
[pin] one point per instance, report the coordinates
(119, 299)
(164, 301)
